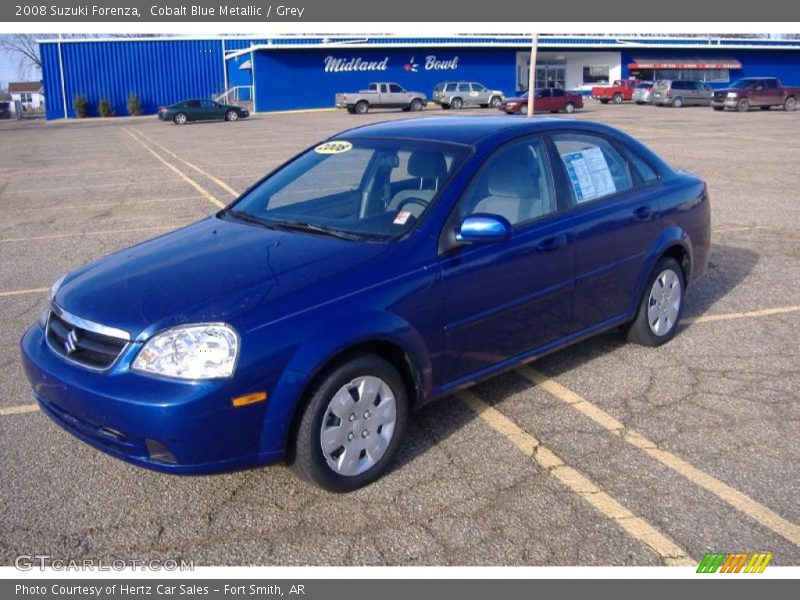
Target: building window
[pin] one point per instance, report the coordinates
(26, 97)
(705, 75)
(596, 74)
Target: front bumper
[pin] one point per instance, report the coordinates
(726, 103)
(166, 425)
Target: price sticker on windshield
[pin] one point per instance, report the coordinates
(336, 147)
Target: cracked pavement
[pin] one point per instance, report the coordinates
(723, 395)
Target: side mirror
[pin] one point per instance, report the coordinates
(482, 228)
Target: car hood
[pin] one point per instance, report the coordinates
(211, 271)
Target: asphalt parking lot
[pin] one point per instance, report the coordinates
(601, 454)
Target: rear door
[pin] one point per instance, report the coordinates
(704, 93)
(612, 212)
(772, 92)
(543, 100)
(559, 99)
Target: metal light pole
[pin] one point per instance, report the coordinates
(532, 73)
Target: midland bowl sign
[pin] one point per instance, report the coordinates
(333, 64)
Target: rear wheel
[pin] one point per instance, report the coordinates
(617, 98)
(179, 119)
(362, 107)
(352, 425)
(416, 105)
(456, 103)
(744, 105)
(231, 115)
(677, 102)
(790, 104)
(660, 307)
(569, 108)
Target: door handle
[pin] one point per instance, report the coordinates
(643, 213)
(554, 243)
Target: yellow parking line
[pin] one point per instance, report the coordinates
(733, 497)
(23, 292)
(578, 483)
(206, 194)
(18, 410)
(84, 233)
(216, 180)
(752, 314)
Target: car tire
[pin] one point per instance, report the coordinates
(677, 102)
(495, 101)
(743, 105)
(179, 119)
(617, 98)
(661, 305)
(362, 107)
(416, 105)
(333, 451)
(456, 103)
(231, 115)
(569, 108)
(790, 105)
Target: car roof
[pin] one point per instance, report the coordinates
(468, 130)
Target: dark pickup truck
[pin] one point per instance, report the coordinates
(763, 92)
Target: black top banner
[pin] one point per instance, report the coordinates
(407, 11)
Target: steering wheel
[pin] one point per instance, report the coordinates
(412, 200)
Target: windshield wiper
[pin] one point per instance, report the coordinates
(248, 218)
(311, 228)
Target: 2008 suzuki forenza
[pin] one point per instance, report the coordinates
(374, 272)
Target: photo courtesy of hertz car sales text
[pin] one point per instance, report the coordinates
(376, 271)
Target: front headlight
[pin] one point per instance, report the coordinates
(731, 94)
(203, 351)
(51, 296)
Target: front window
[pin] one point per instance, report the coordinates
(395, 89)
(743, 84)
(365, 189)
(596, 74)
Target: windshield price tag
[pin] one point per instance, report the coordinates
(333, 147)
(402, 217)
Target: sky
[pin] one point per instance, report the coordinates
(9, 70)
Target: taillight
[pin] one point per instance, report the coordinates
(669, 92)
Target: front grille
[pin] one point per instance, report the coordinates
(81, 345)
(720, 95)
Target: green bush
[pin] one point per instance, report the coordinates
(134, 105)
(81, 105)
(104, 108)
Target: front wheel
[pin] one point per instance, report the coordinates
(352, 425)
(569, 108)
(660, 307)
(744, 105)
(416, 105)
(231, 115)
(495, 102)
(790, 104)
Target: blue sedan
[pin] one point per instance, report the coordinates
(378, 270)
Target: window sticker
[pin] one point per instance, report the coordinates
(402, 217)
(589, 174)
(336, 147)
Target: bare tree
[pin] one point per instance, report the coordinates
(23, 49)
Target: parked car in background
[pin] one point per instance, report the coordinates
(381, 95)
(376, 271)
(5, 110)
(681, 92)
(620, 90)
(546, 100)
(457, 94)
(763, 92)
(200, 109)
(642, 92)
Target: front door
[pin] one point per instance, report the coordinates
(507, 298)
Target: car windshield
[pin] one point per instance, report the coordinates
(743, 84)
(363, 189)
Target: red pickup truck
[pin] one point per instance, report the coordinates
(621, 89)
(763, 92)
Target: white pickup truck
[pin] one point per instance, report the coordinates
(381, 95)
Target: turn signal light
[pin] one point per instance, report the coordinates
(249, 399)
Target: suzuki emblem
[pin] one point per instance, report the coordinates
(71, 344)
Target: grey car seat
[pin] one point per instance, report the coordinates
(514, 189)
(430, 168)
